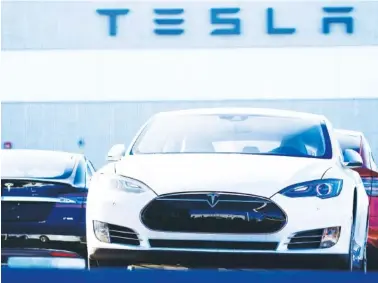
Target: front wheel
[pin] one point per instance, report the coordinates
(352, 262)
(95, 264)
(92, 264)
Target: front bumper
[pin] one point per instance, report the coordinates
(303, 215)
(56, 242)
(42, 237)
(44, 231)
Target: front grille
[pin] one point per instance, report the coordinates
(123, 235)
(25, 211)
(222, 213)
(223, 245)
(306, 240)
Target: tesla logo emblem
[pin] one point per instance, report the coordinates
(9, 186)
(212, 199)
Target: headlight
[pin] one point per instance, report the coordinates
(327, 188)
(120, 183)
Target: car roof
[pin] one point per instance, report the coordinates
(349, 132)
(246, 111)
(39, 152)
(39, 164)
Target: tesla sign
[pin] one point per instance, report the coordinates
(122, 25)
(170, 22)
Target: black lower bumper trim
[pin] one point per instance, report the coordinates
(227, 245)
(116, 257)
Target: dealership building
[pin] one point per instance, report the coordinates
(76, 84)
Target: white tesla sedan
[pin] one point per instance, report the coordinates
(207, 184)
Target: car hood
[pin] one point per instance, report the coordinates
(240, 173)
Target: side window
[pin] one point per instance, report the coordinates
(367, 154)
(370, 157)
(90, 171)
(90, 168)
(374, 166)
(80, 177)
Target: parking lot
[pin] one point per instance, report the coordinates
(148, 136)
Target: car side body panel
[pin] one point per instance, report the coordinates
(369, 175)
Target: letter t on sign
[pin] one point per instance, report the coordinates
(112, 14)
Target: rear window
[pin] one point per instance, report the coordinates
(348, 141)
(25, 164)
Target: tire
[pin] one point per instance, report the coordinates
(351, 263)
(92, 264)
(82, 251)
(372, 254)
(95, 264)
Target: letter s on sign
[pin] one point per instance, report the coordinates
(217, 19)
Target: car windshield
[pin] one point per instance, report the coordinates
(238, 134)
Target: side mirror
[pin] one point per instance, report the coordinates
(352, 159)
(116, 152)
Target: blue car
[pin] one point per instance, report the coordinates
(43, 197)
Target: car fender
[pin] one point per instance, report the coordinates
(352, 183)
